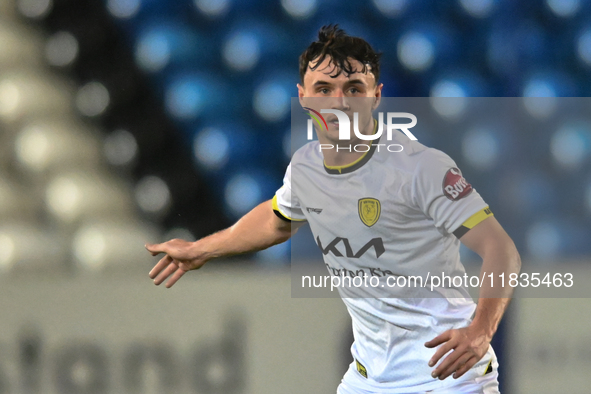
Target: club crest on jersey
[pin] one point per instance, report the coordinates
(455, 185)
(369, 211)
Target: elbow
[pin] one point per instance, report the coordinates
(503, 250)
(283, 235)
(516, 258)
(511, 255)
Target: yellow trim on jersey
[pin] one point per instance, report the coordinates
(340, 168)
(477, 217)
(487, 367)
(275, 205)
(361, 369)
(472, 221)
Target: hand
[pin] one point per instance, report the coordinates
(469, 345)
(181, 256)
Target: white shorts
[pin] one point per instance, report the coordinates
(487, 384)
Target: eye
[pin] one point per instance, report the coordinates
(354, 90)
(323, 90)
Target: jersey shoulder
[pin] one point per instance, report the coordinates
(308, 154)
(414, 156)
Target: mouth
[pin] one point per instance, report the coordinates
(332, 120)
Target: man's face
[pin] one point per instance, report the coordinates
(356, 92)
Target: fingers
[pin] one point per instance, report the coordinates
(163, 263)
(446, 363)
(466, 349)
(451, 363)
(443, 349)
(466, 367)
(173, 264)
(438, 340)
(175, 277)
(165, 273)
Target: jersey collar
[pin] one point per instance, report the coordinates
(347, 168)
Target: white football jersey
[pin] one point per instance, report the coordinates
(390, 215)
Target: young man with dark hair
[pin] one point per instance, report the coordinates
(399, 199)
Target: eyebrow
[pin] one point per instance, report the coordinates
(355, 82)
(351, 82)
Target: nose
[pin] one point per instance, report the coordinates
(339, 100)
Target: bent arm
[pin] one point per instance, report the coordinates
(470, 344)
(499, 255)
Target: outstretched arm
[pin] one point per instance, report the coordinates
(257, 230)
(469, 344)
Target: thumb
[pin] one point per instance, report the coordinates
(444, 337)
(155, 249)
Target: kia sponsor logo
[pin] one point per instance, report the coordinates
(455, 186)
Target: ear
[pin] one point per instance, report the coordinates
(301, 94)
(377, 96)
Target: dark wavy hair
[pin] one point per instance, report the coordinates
(340, 47)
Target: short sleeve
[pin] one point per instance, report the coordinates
(285, 204)
(443, 194)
